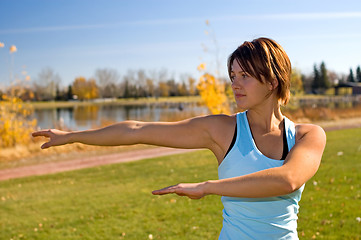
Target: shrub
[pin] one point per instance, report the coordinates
(16, 124)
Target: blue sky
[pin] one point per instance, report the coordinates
(76, 37)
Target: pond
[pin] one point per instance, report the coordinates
(94, 116)
(86, 117)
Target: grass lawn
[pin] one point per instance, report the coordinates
(115, 201)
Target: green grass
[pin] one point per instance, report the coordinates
(107, 201)
(115, 201)
(331, 202)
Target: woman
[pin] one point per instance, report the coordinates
(264, 159)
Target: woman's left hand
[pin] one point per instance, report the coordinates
(191, 190)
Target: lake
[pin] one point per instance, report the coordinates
(94, 116)
(86, 117)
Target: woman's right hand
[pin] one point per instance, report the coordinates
(56, 137)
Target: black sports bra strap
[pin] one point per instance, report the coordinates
(285, 145)
(233, 141)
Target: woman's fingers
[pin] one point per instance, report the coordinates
(191, 190)
(166, 190)
(56, 137)
(43, 133)
(45, 145)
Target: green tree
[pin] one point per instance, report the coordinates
(69, 94)
(351, 77)
(316, 83)
(324, 80)
(358, 74)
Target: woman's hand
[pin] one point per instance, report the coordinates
(191, 190)
(57, 137)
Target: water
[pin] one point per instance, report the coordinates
(87, 117)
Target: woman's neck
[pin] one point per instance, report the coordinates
(266, 119)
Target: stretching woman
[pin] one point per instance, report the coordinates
(264, 158)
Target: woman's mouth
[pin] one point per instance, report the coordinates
(238, 95)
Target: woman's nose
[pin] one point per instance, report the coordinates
(236, 84)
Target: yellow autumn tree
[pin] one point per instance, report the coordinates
(85, 89)
(213, 93)
(15, 122)
(213, 90)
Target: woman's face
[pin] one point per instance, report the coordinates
(248, 91)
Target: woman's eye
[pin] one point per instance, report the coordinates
(244, 75)
(232, 78)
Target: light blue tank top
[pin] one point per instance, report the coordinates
(256, 218)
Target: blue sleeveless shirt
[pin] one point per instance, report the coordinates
(256, 218)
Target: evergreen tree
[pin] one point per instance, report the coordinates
(350, 76)
(69, 94)
(324, 80)
(358, 74)
(126, 89)
(316, 79)
(58, 96)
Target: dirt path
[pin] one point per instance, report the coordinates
(134, 155)
(48, 168)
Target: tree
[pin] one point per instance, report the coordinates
(46, 84)
(350, 77)
(140, 84)
(358, 74)
(333, 77)
(85, 90)
(163, 89)
(307, 81)
(321, 80)
(173, 89)
(212, 92)
(107, 80)
(192, 86)
(182, 89)
(128, 85)
(150, 88)
(296, 82)
(69, 94)
(324, 81)
(316, 83)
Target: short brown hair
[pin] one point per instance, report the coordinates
(264, 58)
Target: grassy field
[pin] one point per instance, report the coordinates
(115, 201)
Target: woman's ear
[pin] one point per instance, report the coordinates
(273, 84)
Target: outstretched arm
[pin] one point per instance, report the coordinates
(199, 132)
(300, 165)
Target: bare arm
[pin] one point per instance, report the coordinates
(300, 165)
(199, 132)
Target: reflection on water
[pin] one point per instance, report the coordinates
(86, 117)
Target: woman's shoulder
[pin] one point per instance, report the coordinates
(309, 129)
(221, 119)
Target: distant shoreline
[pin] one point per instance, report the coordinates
(305, 99)
(116, 102)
